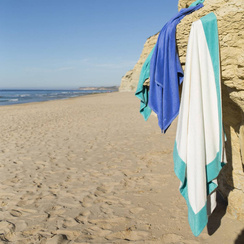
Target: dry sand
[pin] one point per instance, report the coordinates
(91, 170)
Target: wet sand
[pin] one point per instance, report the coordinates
(91, 170)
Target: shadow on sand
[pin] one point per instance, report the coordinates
(232, 119)
(240, 238)
(214, 220)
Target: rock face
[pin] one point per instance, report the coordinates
(130, 80)
(230, 15)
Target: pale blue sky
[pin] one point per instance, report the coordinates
(73, 43)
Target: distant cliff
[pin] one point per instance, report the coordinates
(100, 88)
(130, 80)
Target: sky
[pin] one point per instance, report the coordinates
(69, 44)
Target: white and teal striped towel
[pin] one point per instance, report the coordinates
(198, 151)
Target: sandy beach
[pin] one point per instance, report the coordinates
(91, 170)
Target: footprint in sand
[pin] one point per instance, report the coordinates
(15, 213)
(106, 210)
(128, 235)
(96, 231)
(56, 239)
(83, 217)
(172, 238)
(7, 231)
(69, 222)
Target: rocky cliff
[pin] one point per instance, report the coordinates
(230, 15)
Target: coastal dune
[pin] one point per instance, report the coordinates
(91, 170)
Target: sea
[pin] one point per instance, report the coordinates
(11, 97)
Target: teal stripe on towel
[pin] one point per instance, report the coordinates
(211, 33)
(199, 220)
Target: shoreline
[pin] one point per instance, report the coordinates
(61, 99)
(89, 169)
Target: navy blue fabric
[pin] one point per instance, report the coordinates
(166, 73)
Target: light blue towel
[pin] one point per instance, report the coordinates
(166, 73)
(196, 3)
(142, 91)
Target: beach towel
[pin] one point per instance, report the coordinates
(142, 91)
(166, 73)
(196, 3)
(198, 151)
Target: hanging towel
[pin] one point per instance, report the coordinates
(198, 150)
(166, 73)
(196, 3)
(142, 91)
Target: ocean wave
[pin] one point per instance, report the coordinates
(26, 96)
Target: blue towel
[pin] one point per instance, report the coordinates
(142, 91)
(166, 73)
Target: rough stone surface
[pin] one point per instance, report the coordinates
(130, 80)
(230, 15)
